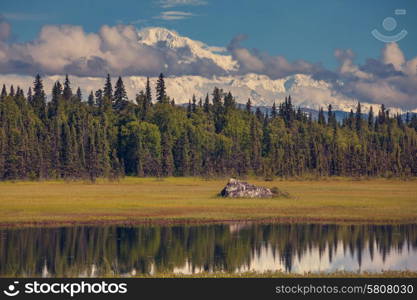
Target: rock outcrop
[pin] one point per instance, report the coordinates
(241, 189)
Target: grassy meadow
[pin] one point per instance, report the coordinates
(136, 200)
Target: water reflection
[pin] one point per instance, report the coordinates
(126, 251)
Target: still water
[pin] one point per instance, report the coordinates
(128, 251)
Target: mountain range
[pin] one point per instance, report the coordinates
(305, 91)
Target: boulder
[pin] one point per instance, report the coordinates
(241, 189)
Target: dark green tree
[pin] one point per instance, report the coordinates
(160, 89)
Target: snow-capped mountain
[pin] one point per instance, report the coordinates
(263, 91)
(305, 91)
(191, 50)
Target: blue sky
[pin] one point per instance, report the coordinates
(326, 40)
(296, 29)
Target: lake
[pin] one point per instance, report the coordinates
(128, 251)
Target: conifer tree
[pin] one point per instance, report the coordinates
(99, 98)
(160, 89)
(67, 92)
(358, 118)
(194, 104)
(90, 100)
(120, 96)
(3, 92)
(39, 98)
(148, 93)
(189, 109)
(207, 104)
(79, 95)
(371, 118)
(229, 102)
(331, 117)
(108, 88)
(321, 119)
(75, 140)
(274, 111)
(249, 106)
(29, 97)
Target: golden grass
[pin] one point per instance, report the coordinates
(384, 274)
(339, 274)
(130, 200)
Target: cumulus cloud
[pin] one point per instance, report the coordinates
(390, 80)
(117, 50)
(347, 67)
(122, 50)
(254, 61)
(392, 54)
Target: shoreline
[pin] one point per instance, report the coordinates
(202, 222)
(268, 274)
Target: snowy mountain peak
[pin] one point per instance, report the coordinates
(153, 35)
(165, 38)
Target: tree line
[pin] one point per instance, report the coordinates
(108, 135)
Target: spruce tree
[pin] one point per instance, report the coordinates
(79, 95)
(331, 117)
(56, 96)
(371, 118)
(29, 98)
(3, 92)
(194, 104)
(274, 111)
(99, 98)
(67, 92)
(108, 88)
(39, 98)
(229, 102)
(249, 106)
(207, 104)
(160, 89)
(321, 119)
(120, 96)
(358, 118)
(90, 100)
(148, 93)
(189, 109)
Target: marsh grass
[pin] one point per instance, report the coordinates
(384, 274)
(171, 200)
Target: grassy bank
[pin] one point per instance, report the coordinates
(172, 200)
(384, 274)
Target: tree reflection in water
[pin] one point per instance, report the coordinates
(112, 250)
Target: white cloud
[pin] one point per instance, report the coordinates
(392, 80)
(119, 50)
(124, 50)
(392, 54)
(174, 15)
(254, 61)
(174, 3)
(347, 67)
